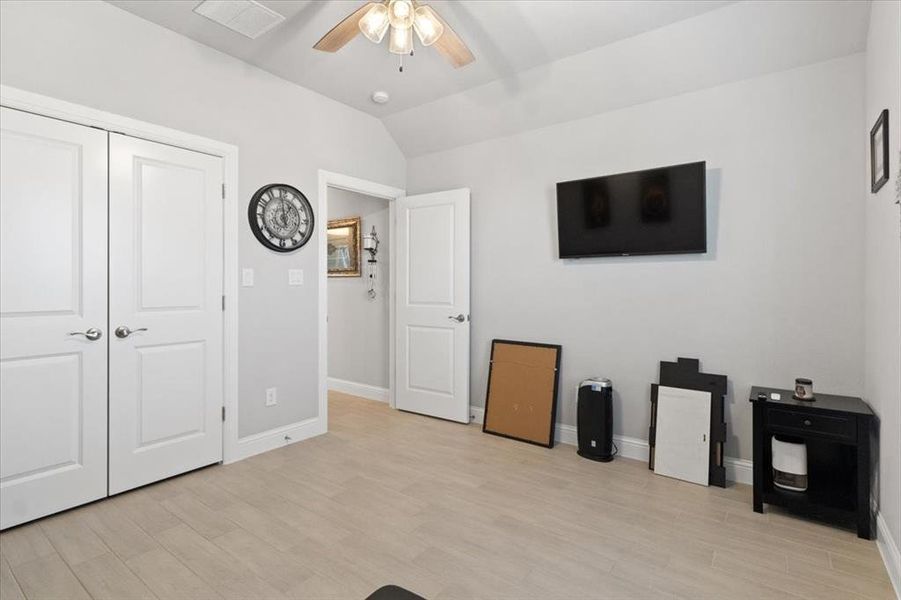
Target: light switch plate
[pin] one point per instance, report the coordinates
(295, 276)
(247, 277)
(271, 396)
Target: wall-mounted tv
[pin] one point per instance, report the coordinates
(658, 211)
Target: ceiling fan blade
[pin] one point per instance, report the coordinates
(344, 31)
(452, 47)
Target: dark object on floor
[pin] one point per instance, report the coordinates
(522, 391)
(839, 432)
(594, 423)
(393, 592)
(686, 373)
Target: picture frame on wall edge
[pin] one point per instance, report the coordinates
(343, 247)
(879, 152)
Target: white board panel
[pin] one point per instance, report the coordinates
(682, 448)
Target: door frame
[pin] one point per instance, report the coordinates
(83, 115)
(329, 179)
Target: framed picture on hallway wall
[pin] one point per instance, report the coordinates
(879, 152)
(343, 247)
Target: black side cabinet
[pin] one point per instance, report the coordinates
(840, 433)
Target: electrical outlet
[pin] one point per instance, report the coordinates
(247, 277)
(271, 396)
(295, 276)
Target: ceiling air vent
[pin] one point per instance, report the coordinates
(247, 17)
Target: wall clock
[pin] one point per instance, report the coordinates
(280, 217)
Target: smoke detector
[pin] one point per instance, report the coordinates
(380, 97)
(247, 17)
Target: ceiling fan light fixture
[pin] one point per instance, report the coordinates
(427, 25)
(401, 40)
(400, 14)
(374, 23)
(397, 19)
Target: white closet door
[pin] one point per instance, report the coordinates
(432, 305)
(682, 448)
(166, 288)
(53, 243)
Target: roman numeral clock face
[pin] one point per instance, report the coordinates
(280, 217)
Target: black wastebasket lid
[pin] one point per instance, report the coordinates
(596, 381)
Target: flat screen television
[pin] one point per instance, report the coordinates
(658, 211)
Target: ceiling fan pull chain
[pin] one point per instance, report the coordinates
(401, 63)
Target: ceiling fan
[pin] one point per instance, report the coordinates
(402, 18)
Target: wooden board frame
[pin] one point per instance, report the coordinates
(686, 373)
(553, 420)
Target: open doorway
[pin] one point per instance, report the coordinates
(358, 258)
(427, 295)
(358, 339)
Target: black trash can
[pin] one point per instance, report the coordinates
(595, 419)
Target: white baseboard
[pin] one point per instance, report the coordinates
(738, 470)
(370, 392)
(891, 556)
(276, 438)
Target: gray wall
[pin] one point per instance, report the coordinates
(883, 259)
(778, 295)
(358, 325)
(95, 54)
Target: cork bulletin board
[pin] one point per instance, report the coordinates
(522, 391)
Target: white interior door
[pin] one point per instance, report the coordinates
(682, 448)
(165, 385)
(53, 253)
(432, 313)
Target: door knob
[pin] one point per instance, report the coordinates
(459, 318)
(92, 334)
(123, 332)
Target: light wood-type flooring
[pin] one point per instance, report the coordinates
(441, 509)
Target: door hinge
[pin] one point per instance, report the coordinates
(223, 191)
(223, 302)
(223, 414)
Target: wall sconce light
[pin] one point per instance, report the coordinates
(371, 245)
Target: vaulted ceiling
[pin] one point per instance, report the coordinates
(537, 61)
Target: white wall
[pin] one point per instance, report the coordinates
(883, 259)
(94, 54)
(357, 324)
(778, 296)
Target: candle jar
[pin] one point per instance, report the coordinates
(803, 389)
